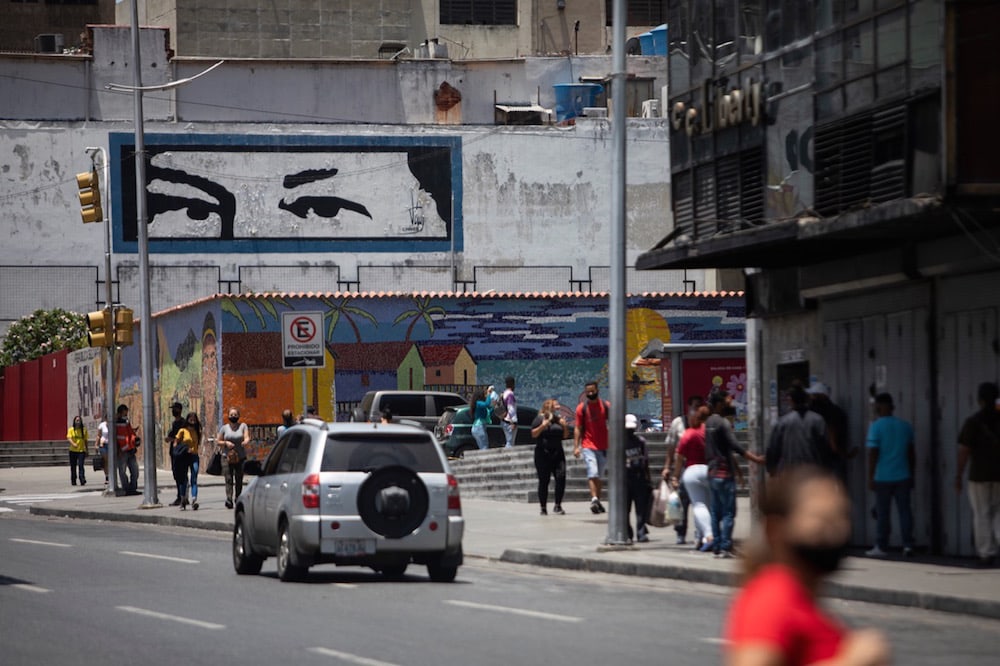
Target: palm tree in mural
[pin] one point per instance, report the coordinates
(259, 306)
(424, 312)
(348, 312)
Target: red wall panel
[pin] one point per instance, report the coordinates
(31, 374)
(12, 404)
(52, 382)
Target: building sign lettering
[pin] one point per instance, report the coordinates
(728, 108)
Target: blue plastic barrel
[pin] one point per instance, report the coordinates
(646, 43)
(659, 40)
(572, 98)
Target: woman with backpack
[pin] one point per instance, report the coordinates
(188, 460)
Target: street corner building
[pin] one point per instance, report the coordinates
(843, 155)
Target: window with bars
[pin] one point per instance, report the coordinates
(640, 12)
(721, 196)
(478, 12)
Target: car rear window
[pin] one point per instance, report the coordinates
(463, 416)
(402, 404)
(443, 401)
(371, 452)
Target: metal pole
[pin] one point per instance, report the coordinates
(149, 495)
(109, 386)
(452, 238)
(305, 401)
(618, 510)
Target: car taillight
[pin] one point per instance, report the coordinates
(448, 429)
(310, 491)
(454, 500)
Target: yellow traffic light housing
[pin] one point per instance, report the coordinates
(90, 197)
(123, 327)
(99, 330)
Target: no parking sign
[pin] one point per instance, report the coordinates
(302, 340)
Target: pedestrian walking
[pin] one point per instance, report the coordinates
(979, 448)
(775, 619)
(287, 421)
(76, 435)
(691, 473)
(638, 487)
(590, 439)
(508, 422)
(233, 438)
(891, 458)
(103, 437)
(677, 429)
(128, 443)
(188, 459)
(549, 430)
(720, 448)
(480, 419)
(799, 437)
(177, 452)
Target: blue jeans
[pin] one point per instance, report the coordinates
(723, 512)
(192, 464)
(479, 434)
(885, 493)
(508, 432)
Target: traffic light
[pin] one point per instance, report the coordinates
(123, 327)
(99, 330)
(90, 197)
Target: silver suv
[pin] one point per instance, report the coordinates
(423, 407)
(366, 494)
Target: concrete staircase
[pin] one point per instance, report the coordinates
(34, 454)
(509, 474)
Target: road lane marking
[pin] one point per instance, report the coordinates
(514, 611)
(31, 588)
(712, 640)
(5, 509)
(50, 497)
(346, 586)
(167, 616)
(182, 560)
(43, 543)
(350, 658)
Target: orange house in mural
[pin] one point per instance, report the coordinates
(448, 365)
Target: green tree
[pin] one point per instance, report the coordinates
(43, 332)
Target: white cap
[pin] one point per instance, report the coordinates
(818, 388)
(631, 423)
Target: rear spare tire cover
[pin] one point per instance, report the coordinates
(393, 502)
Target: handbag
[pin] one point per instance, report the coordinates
(97, 462)
(658, 507)
(232, 457)
(215, 465)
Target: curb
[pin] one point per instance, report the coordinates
(145, 518)
(847, 592)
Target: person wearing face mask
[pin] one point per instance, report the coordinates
(775, 619)
(287, 421)
(590, 439)
(233, 438)
(77, 437)
(549, 430)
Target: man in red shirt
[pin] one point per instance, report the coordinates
(590, 437)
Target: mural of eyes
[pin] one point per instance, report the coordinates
(197, 209)
(322, 206)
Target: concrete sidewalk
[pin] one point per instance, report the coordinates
(514, 532)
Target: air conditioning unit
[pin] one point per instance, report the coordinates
(651, 108)
(49, 43)
(595, 111)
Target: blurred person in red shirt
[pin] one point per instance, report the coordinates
(775, 619)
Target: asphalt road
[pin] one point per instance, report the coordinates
(80, 592)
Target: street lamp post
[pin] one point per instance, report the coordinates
(618, 509)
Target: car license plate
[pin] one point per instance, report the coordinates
(353, 547)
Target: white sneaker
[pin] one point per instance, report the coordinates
(876, 552)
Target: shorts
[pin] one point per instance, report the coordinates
(596, 462)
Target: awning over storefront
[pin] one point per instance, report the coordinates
(808, 240)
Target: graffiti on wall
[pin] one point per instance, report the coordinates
(291, 194)
(84, 382)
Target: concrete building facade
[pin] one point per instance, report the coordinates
(835, 152)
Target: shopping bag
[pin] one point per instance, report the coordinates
(658, 507)
(215, 465)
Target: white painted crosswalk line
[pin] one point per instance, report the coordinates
(514, 611)
(173, 618)
(349, 658)
(42, 543)
(21, 500)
